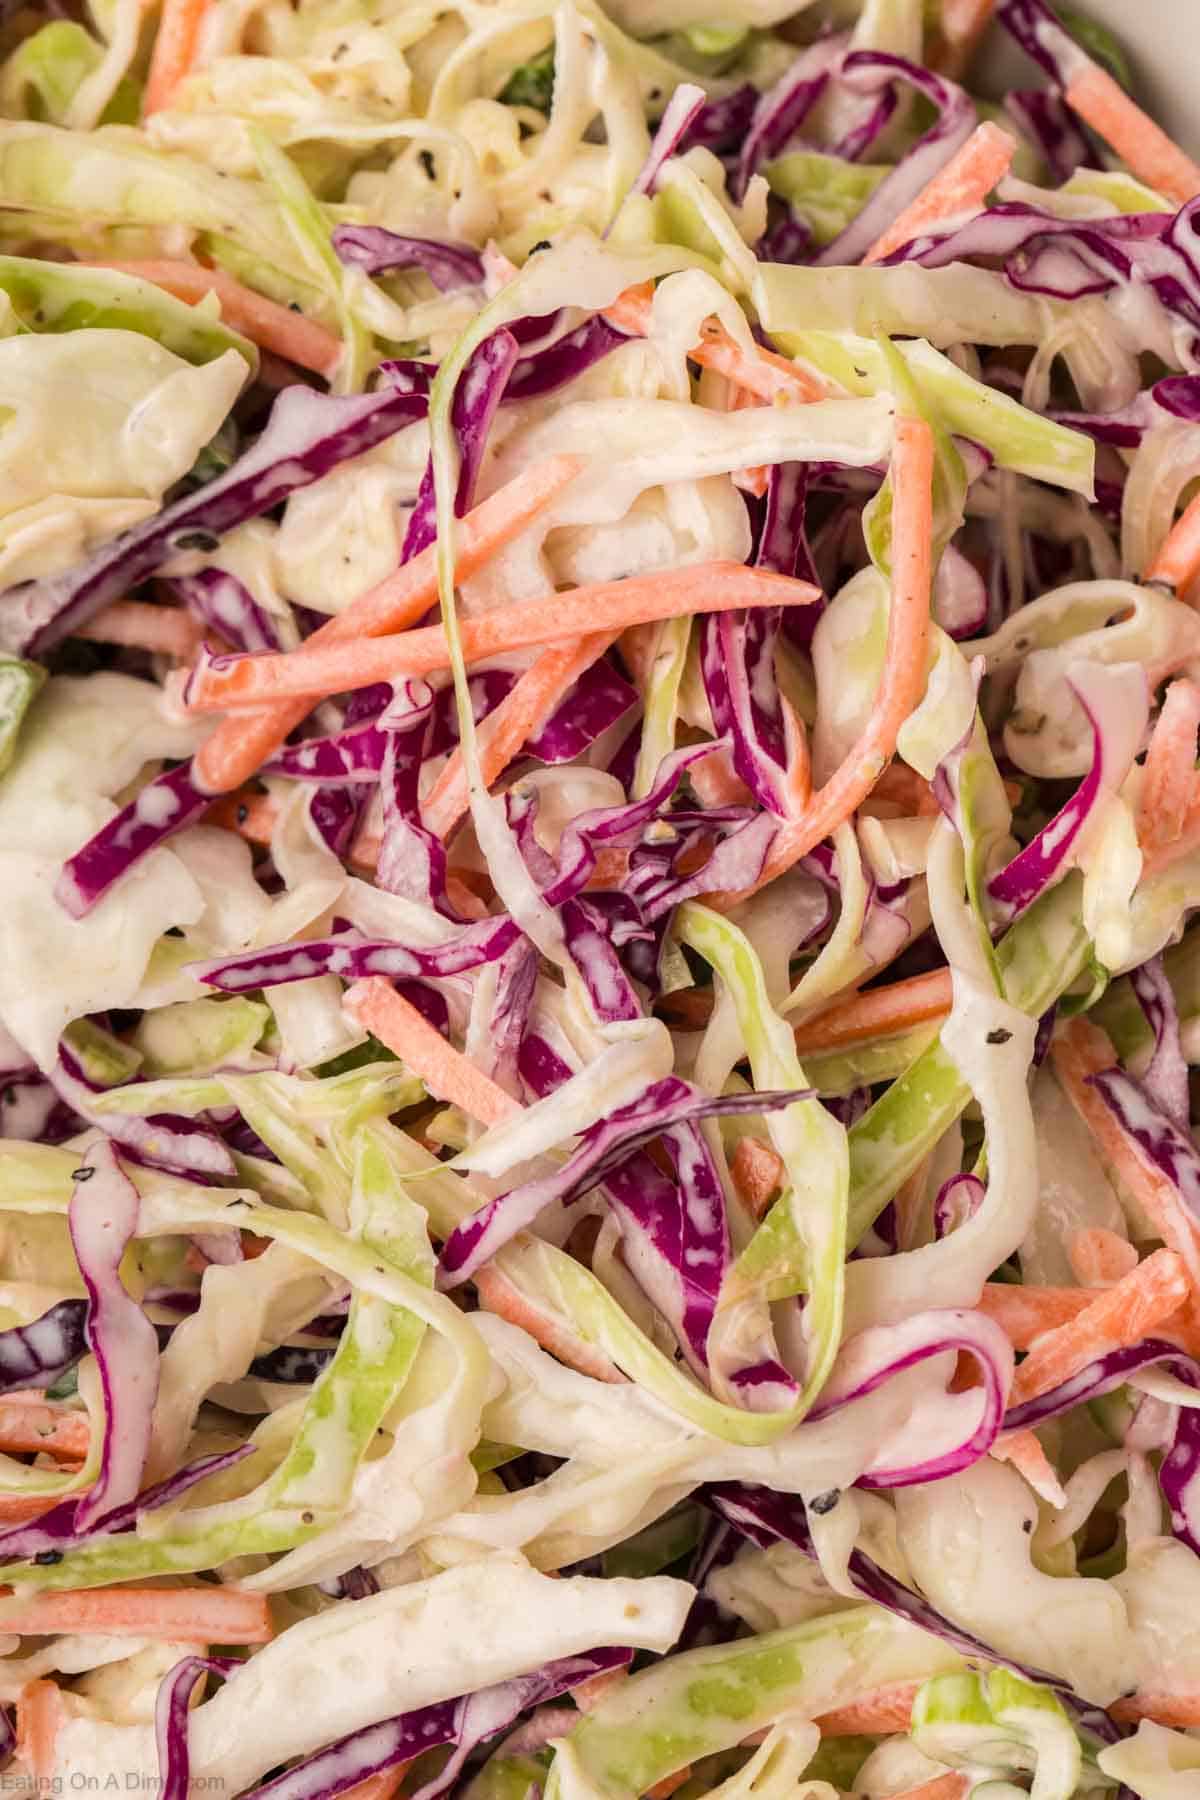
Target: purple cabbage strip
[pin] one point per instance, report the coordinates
(35, 1355)
(872, 1358)
(59, 1528)
(590, 706)
(353, 956)
(1100, 1377)
(585, 929)
(516, 982)
(307, 435)
(682, 109)
(102, 1218)
(604, 1146)
(1169, 1149)
(1047, 857)
(960, 596)
(544, 371)
(333, 814)
(412, 861)
(722, 124)
(1166, 1077)
(171, 1709)
(169, 803)
(874, 122)
(766, 1517)
(782, 110)
(464, 1723)
(348, 757)
(656, 886)
(788, 237)
(376, 250)
(1176, 396)
(870, 71)
(1047, 121)
(226, 604)
(957, 1201)
(168, 1141)
(356, 1584)
(478, 393)
(1043, 38)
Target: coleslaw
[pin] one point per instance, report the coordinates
(599, 828)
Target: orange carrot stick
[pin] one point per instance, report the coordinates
(1023, 1450)
(1137, 140)
(903, 678)
(265, 322)
(374, 1004)
(1180, 1711)
(951, 1786)
(1169, 774)
(520, 715)
(380, 1787)
(187, 1615)
(662, 1790)
(1024, 1314)
(166, 630)
(503, 1297)
(319, 669)
(1100, 1258)
(877, 1714)
(588, 1694)
(963, 25)
(1116, 1316)
(29, 1423)
(765, 374)
(961, 187)
(239, 747)
(175, 46)
(1082, 1049)
(18, 1509)
(757, 1173)
(41, 1715)
(880, 1012)
(1158, 856)
(1178, 562)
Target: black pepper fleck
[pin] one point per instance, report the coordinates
(196, 540)
(999, 1036)
(46, 1559)
(824, 1503)
(425, 158)
(82, 1174)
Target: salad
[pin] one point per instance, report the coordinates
(599, 832)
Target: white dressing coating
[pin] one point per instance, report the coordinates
(366, 1660)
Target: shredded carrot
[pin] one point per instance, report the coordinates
(253, 816)
(41, 1715)
(764, 374)
(239, 747)
(757, 1173)
(18, 1509)
(909, 793)
(187, 1615)
(1137, 140)
(1178, 562)
(588, 1694)
(166, 630)
(1023, 1450)
(963, 24)
(1169, 774)
(265, 322)
(503, 1297)
(1116, 1316)
(176, 44)
(1157, 856)
(717, 783)
(1026, 1313)
(961, 187)
(1180, 1711)
(669, 1783)
(1081, 1049)
(375, 1005)
(951, 1786)
(876, 1714)
(1100, 1258)
(520, 715)
(903, 678)
(880, 1012)
(316, 670)
(380, 1787)
(29, 1423)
